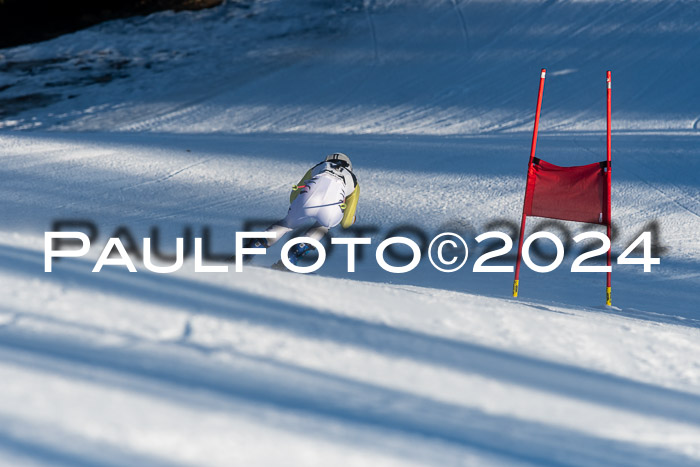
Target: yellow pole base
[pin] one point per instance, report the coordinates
(515, 288)
(608, 299)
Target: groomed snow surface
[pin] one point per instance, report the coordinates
(203, 120)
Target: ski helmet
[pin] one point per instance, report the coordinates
(340, 157)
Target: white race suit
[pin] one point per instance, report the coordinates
(319, 200)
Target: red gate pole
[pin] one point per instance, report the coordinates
(608, 298)
(532, 156)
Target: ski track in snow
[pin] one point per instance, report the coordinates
(434, 103)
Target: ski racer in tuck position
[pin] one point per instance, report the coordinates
(326, 195)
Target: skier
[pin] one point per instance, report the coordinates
(326, 195)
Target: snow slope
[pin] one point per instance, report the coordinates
(204, 120)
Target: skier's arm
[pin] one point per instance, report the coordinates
(350, 206)
(293, 195)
